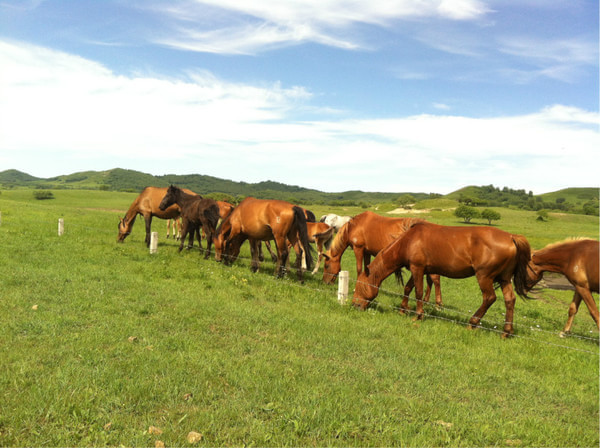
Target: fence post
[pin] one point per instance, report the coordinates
(343, 287)
(153, 242)
(61, 226)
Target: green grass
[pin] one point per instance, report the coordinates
(122, 340)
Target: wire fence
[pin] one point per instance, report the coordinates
(452, 316)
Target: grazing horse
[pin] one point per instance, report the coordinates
(196, 212)
(335, 221)
(490, 254)
(319, 233)
(368, 233)
(577, 260)
(263, 220)
(146, 204)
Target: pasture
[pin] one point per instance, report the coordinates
(105, 344)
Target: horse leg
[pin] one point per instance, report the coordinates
(410, 285)
(573, 308)
(184, 232)
(209, 237)
(359, 254)
(438, 290)
(428, 290)
(417, 275)
(148, 219)
(319, 258)
(168, 228)
(587, 297)
(282, 255)
(273, 254)
(509, 303)
(254, 249)
(489, 297)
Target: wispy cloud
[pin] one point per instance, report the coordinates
(259, 26)
(54, 104)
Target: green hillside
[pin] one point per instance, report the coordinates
(570, 200)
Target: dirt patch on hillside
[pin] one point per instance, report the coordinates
(399, 211)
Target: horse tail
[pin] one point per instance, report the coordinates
(523, 258)
(300, 225)
(327, 236)
(310, 216)
(212, 216)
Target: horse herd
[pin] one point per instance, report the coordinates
(493, 256)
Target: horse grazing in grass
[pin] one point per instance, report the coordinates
(196, 213)
(320, 234)
(146, 204)
(335, 221)
(367, 234)
(490, 254)
(577, 260)
(263, 220)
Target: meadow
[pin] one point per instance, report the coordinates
(105, 344)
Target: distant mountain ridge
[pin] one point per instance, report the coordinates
(577, 200)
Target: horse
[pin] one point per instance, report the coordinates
(335, 221)
(368, 233)
(175, 225)
(490, 254)
(263, 220)
(320, 234)
(577, 260)
(146, 204)
(196, 212)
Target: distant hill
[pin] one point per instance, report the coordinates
(572, 200)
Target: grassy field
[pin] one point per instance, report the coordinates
(105, 344)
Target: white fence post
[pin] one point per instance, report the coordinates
(153, 242)
(343, 287)
(61, 226)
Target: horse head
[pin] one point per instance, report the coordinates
(170, 197)
(123, 231)
(331, 268)
(364, 292)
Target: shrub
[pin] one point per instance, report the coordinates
(43, 194)
(490, 215)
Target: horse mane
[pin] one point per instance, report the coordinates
(566, 241)
(340, 241)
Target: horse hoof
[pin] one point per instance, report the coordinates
(562, 334)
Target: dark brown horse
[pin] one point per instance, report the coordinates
(490, 254)
(196, 213)
(578, 261)
(263, 220)
(146, 204)
(367, 234)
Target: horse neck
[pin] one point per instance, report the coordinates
(130, 216)
(340, 242)
(182, 198)
(551, 260)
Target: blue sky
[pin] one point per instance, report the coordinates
(377, 95)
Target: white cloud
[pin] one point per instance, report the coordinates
(59, 111)
(255, 26)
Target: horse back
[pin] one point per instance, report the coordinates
(374, 232)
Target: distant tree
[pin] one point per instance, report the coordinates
(466, 213)
(490, 215)
(405, 200)
(560, 200)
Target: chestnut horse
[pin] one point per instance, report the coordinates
(577, 260)
(490, 254)
(196, 212)
(146, 204)
(368, 233)
(263, 220)
(319, 233)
